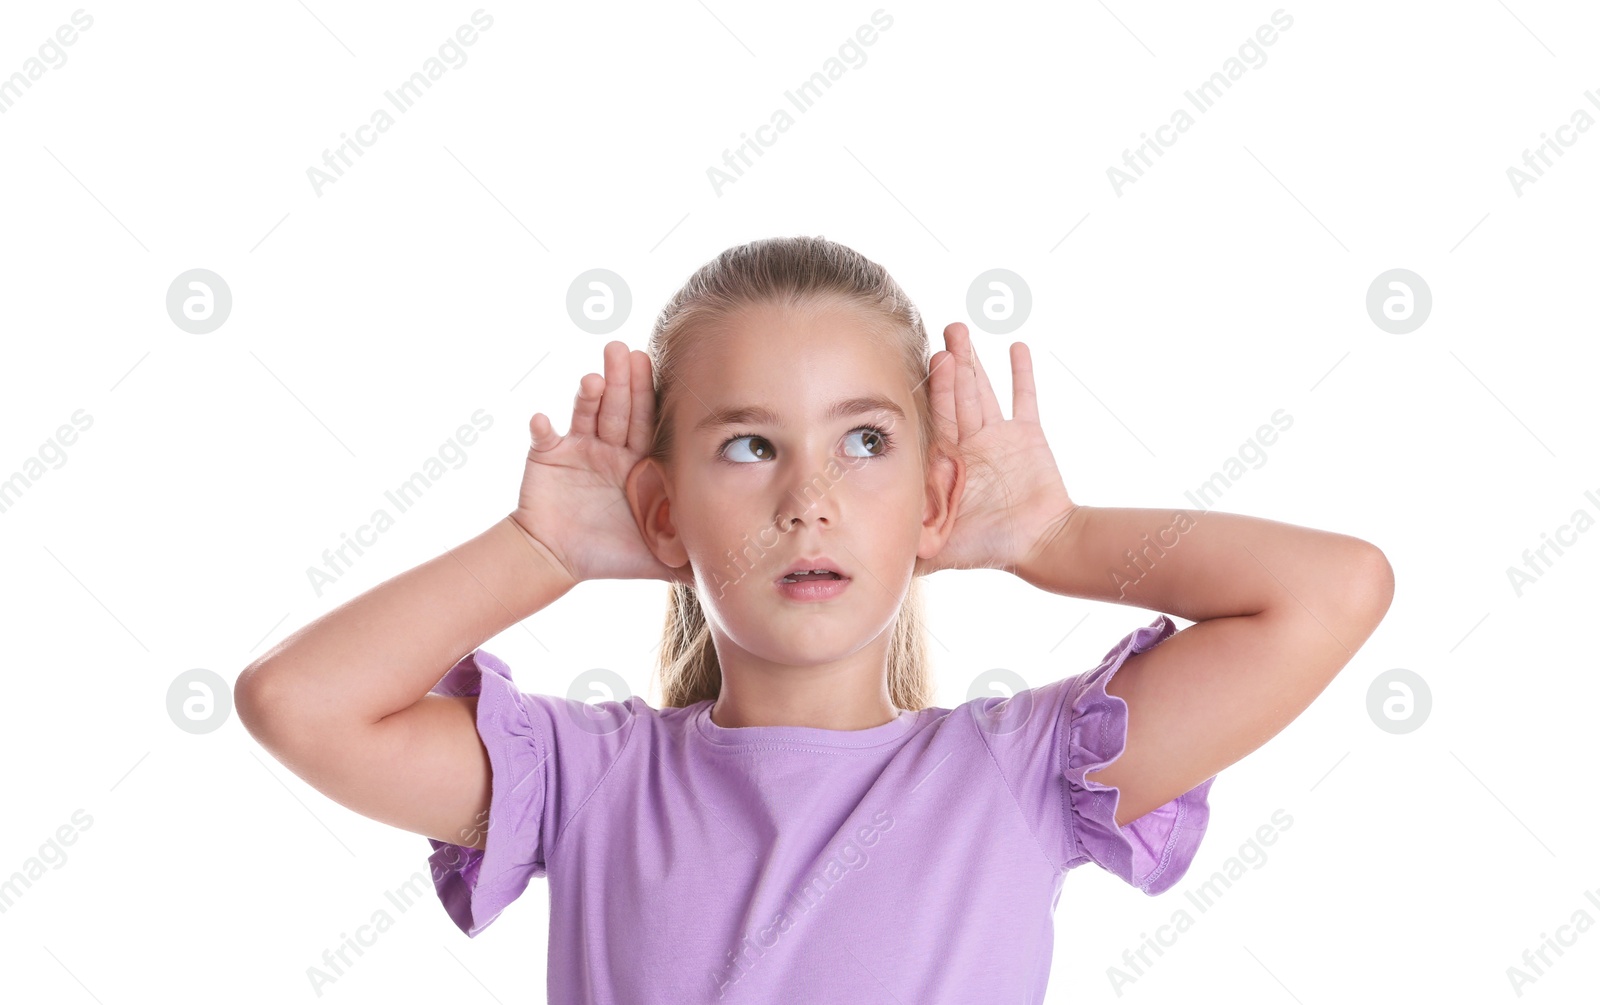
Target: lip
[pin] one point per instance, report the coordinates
(804, 564)
(815, 590)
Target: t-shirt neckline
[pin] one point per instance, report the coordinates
(810, 736)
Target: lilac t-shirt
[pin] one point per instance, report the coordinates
(916, 861)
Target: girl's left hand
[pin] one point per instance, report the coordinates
(1013, 494)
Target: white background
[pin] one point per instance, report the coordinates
(1169, 322)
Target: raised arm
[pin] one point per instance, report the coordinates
(1279, 610)
(344, 702)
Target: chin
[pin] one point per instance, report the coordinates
(802, 646)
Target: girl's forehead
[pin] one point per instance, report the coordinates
(777, 346)
(788, 386)
(778, 363)
(796, 377)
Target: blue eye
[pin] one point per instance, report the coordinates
(877, 442)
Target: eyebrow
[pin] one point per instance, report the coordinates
(735, 415)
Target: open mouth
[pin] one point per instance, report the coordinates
(806, 577)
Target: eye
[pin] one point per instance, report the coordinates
(730, 441)
(876, 440)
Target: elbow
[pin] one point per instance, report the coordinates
(1369, 587)
(247, 700)
(255, 704)
(1377, 580)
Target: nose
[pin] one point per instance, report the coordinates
(810, 493)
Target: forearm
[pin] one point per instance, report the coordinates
(1200, 565)
(382, 651)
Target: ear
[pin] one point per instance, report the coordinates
(947, 477)
(646, 489)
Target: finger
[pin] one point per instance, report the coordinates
(612, 424)
(969, 413)
(586, 405)
(641, 418)
(1024, 399)
(941, 394)
(989, 403)
(543, 434)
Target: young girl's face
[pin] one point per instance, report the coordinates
(765, 472)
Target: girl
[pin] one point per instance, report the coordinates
(797, 822)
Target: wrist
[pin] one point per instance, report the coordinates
(1054, 544)
(541, 560)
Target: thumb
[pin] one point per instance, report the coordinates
(544, 434)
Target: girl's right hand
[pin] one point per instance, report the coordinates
(573, 501)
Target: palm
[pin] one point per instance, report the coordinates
(573, 497)
(1013, 489)
(582, 477)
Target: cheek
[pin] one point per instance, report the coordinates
(903, 486)
(728, 502)
(723, 515)
(893, 475)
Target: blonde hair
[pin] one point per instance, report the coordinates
(795, 271)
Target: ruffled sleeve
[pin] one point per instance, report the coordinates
(1153, 852)
(475, 886)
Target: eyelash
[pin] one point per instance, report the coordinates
(883, 434)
